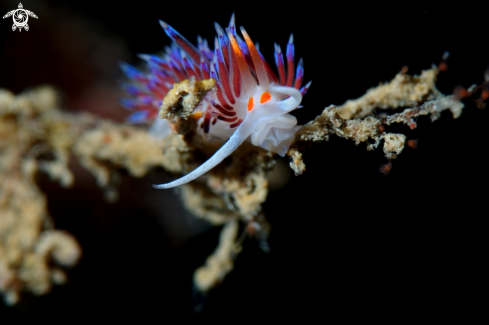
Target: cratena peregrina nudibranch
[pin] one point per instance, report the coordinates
(250, 102)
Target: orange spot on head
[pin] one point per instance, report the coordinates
(443, 66)
(265, 97)
(250, 104)
(404, 69)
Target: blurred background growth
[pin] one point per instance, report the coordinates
(346, 241)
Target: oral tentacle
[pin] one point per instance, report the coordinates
(228, 148)
(290, 103)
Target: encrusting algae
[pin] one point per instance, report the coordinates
(354, 121)
(36, 136)
(30, 126)
(33, 128)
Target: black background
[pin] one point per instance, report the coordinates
(346, 243)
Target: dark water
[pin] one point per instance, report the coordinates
(346, 242)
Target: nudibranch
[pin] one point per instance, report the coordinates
(249, 102)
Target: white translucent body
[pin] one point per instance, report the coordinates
(267, 125)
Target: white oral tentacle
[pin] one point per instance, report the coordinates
(290, 103)
(228, 148)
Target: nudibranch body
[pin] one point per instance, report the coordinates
(250, 102)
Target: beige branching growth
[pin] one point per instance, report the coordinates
(36, 136)
(400, 92)
(30, 128)
(352, 120)
(180, 102)
(110, 145)
(220, 263)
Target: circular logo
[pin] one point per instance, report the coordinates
(20, 18)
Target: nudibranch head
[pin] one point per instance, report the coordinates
(250, 102)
